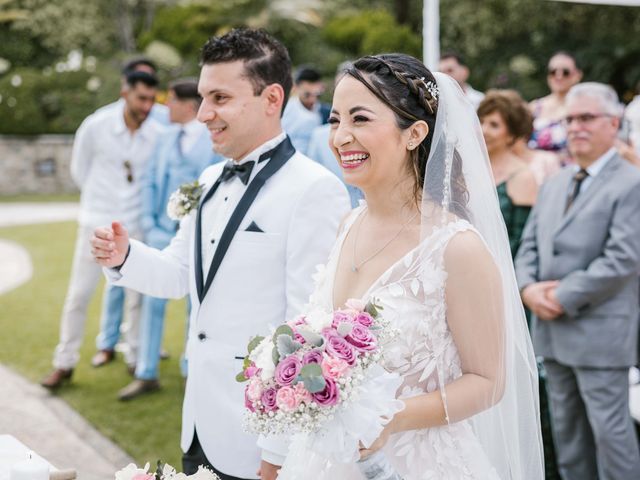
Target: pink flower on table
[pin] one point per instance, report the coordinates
(302, 394)
(364, 319)
(254, 389)
(334, 368)
(329, 396)
(287, 370)
(268, 399)
(355, 304)
(286, 399)
(337, 347)
(361, 338)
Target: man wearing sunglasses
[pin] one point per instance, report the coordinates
(110, 151)
(577, 268)
(304, 111)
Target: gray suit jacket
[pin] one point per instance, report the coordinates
(594, 250)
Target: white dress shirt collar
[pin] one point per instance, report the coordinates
(254, 155)
(147, 129)
(596, 167)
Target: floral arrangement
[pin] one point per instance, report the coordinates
(184, 200)
(310, 367)
(163, 472)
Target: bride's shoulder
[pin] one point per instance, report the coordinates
(467, 252)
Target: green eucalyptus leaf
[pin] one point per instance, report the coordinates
(311, 338)
(241, 377)
(286, 345)
(275, 356)
(282, 330)
(315, 384)
(255, 341)
(246, 363)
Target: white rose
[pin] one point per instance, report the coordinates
(262, 356)
(318, 320)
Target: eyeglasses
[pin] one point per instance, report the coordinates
(129, 169)
(584, 118)
(565, 72)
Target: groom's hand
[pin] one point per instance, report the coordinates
(109, 245)
(268, 471)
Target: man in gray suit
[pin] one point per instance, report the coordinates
(577, 269)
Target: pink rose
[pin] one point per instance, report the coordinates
(337, 347)
(286, 399)
(287, 370)
(355, 304)
(362, 338)
(251, 371)
(334, 368)
(364, 319)
(247, 401)
(302, 394)
(313, 356)
(254, 389)
(143, 476)
(298, 338)
(329, 396)
(340, 316)
(268, 399)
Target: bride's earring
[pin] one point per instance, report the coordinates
(410, 146)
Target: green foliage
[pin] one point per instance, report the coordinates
(371, 31)
(56, 102)
(311, 376)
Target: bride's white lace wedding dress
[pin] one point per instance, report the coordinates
(412, 294)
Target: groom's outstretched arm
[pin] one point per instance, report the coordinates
(132, 264)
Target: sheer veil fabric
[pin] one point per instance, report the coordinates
(459, 184)
(491, 403)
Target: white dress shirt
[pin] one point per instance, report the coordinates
(192, 132)
(102, 145)
(595, 168)
(218, 209)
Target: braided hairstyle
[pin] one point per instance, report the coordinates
(408, 88)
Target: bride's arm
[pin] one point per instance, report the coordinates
(475, 315)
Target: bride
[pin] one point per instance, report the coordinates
(429, 246)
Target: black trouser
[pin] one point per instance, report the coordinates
(195, 457)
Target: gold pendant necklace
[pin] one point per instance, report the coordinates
(355, 266)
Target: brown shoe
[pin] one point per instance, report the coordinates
(102, 357)
(138, 387)
(56, 378)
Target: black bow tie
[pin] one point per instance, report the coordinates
(242, 171)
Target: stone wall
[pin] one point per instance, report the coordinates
(35, 164)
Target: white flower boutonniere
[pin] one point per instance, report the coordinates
(184, 200)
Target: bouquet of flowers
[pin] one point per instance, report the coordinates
(184, 200)
(319, 375)
(163, 472)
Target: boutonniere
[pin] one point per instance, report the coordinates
(184, 200)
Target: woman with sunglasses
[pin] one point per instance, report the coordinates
(549, 131)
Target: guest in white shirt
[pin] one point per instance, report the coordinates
(110, 152)
(304, 112)
(454, 65)
(246, 254)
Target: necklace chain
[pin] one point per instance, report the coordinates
(355, 267)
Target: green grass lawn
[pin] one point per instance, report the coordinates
(54, 197)
(148, 428)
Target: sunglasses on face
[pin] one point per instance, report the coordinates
(565, 72)
(129, 171)
(584, 118)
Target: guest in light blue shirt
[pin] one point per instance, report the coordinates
(304, 111)
(180, 156)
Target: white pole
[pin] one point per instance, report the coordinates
(431, 33)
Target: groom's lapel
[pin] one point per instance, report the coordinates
(278, 157)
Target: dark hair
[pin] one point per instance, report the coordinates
(266, 60)
(513, 110)
(133, 78)
(402, 83)
(306, 74)
(455, 55)
(565, 53)
(132, 65)
(186, 89)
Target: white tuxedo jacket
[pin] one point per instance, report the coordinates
(263, 280)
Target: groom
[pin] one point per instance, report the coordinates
(245, 255)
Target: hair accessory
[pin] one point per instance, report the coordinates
(432, 88)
